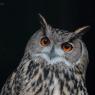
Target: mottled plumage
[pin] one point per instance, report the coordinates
(54, 63)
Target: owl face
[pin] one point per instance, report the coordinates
(55, 46)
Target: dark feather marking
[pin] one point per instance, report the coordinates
(61, 86)
(38, 91)
(35, 73)
(72, 91)
(46, 72)
(31, 66)
(33, 83)
(75, 84)
(67, 77)
(51, 80)
(52, 91)
(56, 74)
(47, 91)
(68, 87)
(40, 79)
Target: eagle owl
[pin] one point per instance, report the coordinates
(54, 63)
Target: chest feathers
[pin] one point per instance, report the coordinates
(43, 79)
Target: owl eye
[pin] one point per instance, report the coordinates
(66, 47)
(44, 41)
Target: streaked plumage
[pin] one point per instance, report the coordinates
(54, 63)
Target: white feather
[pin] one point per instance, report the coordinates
(54, 60)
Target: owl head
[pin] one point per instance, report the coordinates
(56, 46)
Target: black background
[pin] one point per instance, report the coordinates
(19, 19)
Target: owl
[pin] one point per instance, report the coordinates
(54, 63)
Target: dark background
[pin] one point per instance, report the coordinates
(19, 19)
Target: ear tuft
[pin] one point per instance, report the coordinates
(43, 22)
(82, 30)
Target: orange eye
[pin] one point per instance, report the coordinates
(44, 41)
(66, 47)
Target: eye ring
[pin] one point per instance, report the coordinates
(67, 47)
(44, 41)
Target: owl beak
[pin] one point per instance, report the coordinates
(52, 53)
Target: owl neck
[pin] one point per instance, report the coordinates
(57, 76)
(59, 70)
(51, 76)
(77, 71)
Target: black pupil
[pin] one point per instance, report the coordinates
(46, 40)
(67, 45)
